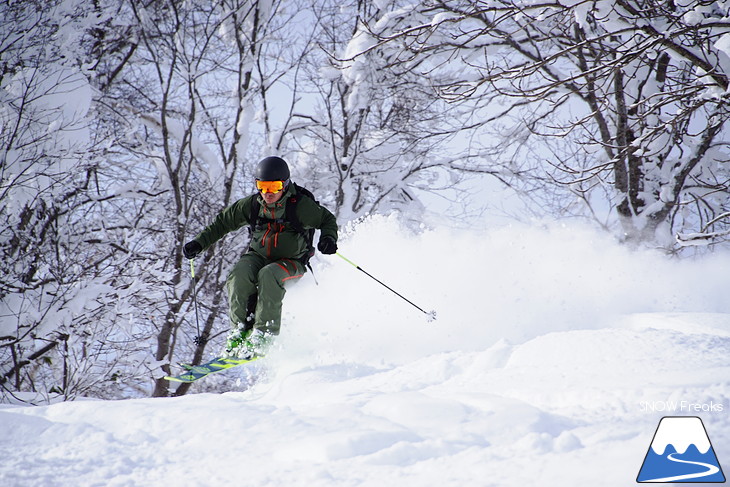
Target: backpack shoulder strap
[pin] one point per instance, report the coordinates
(291, 207)
(292, 217)
(304, 191)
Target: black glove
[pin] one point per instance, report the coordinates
(327, 245)
(191, 249)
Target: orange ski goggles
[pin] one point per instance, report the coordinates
(269, 186)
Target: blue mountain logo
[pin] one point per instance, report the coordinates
(681, 452)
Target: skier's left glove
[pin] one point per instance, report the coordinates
(327, 245)
(191, 249)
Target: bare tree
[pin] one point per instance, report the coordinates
(372, 141)
(639, 85)
(119, 150)
(54, 273)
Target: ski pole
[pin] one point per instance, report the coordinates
(431, 315)
(199, 339)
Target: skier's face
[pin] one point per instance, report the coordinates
(271, 191)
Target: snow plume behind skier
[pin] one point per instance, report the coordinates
(281, 217)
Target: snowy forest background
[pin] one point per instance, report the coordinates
(126, 125)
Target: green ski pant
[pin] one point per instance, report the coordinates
(253, 274)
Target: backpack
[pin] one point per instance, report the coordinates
(290, 216)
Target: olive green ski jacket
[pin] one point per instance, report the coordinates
(273, 238)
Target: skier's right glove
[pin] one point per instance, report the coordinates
(191, 249)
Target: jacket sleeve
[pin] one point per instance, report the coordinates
(314, 215)
(232, 218)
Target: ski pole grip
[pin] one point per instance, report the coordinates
(192, 268)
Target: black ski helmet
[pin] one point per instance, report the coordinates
(272, 168)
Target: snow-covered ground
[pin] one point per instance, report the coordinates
(554, 356)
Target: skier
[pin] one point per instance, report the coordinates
(277, 255)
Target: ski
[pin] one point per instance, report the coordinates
(196, 372)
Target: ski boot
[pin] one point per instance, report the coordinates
(259, 343)
(252, 344)
(236, 340)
